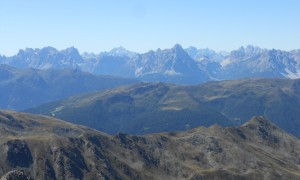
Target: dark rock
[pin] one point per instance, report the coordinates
(50, 173)
(18, 154)
(241, 134)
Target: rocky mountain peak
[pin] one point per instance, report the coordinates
(120, 51)
(259, 121)
(71, 50)
(181, 55)
(244, 52)
(192, 51)
(72, 55)
(47, 48)
(87, 55)
(177, 48)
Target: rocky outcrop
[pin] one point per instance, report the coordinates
(15, 175)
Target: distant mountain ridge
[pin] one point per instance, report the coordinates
(176, 65)
(24, 88)
(255, 62)
(45, 58)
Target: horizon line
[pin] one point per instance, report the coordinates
(138, 52)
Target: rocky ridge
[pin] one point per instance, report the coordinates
(59, 150)
(177, 65)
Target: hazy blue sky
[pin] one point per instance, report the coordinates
(141, 25)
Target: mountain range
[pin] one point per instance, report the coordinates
(40, 147)
(176, 65)
(24, 88)
(157, 107)
(115, 117)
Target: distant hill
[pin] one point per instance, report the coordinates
(24, 88)
(173, 65)
(239, 100)
(146, 108)
(137, 109)
(41, 147)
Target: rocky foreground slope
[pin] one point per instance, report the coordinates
(46, 148)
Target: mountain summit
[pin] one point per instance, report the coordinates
(171, 65)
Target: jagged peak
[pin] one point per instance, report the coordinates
(46, 49)
(21, 51)
(246, 51)
(260, 121)
(178, 47)
(151, 52)
(71, 50)
(36, 50)
(119, 51)
(120, 48)
(192, 47)
(251, 49)
(192, 50)
(88, 55)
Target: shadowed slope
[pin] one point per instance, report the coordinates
(24, 88)
(157, 107)
(138, 109)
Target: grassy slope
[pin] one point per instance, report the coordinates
(145, 108)
(139, 109)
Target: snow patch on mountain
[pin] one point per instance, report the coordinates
(225, 62)
(291, 75)
(172, 72)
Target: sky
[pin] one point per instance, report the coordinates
(141, 25)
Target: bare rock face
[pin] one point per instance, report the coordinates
(15, 175)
